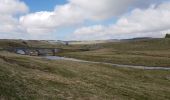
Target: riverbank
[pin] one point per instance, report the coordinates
(139, 53)
(30, 78)
(114, 65)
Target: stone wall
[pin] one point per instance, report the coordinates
(36, 51)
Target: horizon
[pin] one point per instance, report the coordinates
(83, 20)
(86, 40)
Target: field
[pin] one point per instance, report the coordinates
(154, 52)
(36, 78)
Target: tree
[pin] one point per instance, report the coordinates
(167, 35)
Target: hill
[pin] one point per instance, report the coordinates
(7, 43)
(36, 78)
(148, 52)
(25, 78)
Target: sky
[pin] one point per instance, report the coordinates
(83, 19)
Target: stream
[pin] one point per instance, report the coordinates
(114, 65)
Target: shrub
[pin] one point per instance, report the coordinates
(167, 36)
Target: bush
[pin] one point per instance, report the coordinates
(167, 36)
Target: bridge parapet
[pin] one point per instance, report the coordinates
(36, 51)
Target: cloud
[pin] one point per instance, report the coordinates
(73, 13)
(12, 7)
(102, 9)
(140, 22)
(9, 9)
(43, 22)
(15, 21)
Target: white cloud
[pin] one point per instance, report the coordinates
(73, 13)
(46, 22)
(8, 22)
(140, 22)
(12, 7)
(102, 9)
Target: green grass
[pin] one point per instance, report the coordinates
(153, 52)
(33, 78)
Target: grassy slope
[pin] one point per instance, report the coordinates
(5, 43)
(32, 78)
(145, 52)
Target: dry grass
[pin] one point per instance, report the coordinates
(34, 78)
(25, 78)
(146, 52)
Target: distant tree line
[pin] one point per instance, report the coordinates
(167, 35)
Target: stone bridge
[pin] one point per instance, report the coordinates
(35, 51)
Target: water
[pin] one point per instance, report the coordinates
(114, 65)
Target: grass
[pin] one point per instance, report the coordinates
(6, 43)
(34, 78)
(154, 52)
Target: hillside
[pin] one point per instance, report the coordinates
(36, 78)
(6, 43)
(149, 52)
(25, 78)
